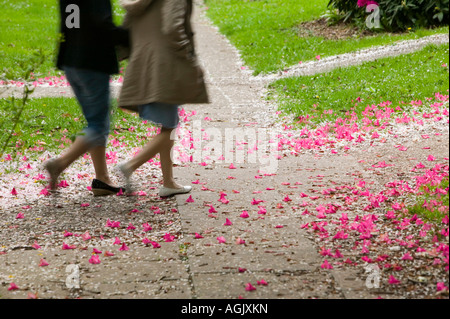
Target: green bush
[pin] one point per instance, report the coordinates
(396, 15)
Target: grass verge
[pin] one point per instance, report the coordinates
(402, 79)
(433, 205)
(51, 124)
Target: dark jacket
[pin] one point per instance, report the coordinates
(92, 45)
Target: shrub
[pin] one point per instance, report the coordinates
(396, 15)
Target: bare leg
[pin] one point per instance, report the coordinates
(167, 164)
(98, 154)
(56, 166)
(150, 150)
(78, 148)
(161, 144)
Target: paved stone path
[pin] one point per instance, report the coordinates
(201, 268)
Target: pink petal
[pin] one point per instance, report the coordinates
(198, 236)
(67, 234)
(393, 280)
(168, 238)
(12, 286)
(95, 259)
(67, 247)
(212, 210)
(147, 227)
(86, 236)
(262, 210)
(262, 282)
(44, 192)
(43, 263)
(36, 245)
(190, 199)
(441, 286)
(407, 256)
(31, 296)
(155, 244)
(244, 214)
(249, 287)
(326, 265)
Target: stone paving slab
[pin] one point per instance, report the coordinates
(287, 258)
(280, 286)
(267, 249)
(138, 273)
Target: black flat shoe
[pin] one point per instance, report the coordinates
(102, 189)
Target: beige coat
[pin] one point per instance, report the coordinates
(163, 66)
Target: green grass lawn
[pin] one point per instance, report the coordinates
(52, 122)
(415, 76)
(436, 199)
(266, 32)
(27, 26)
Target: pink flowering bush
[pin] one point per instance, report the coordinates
(365, 3)
(396, 15)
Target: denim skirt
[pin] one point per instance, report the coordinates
(165, 115)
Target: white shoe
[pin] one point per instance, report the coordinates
(167, 192)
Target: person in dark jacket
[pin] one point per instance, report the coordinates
(87, 55)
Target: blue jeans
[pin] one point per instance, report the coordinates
(92, 91)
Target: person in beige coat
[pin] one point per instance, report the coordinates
(163, 73)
